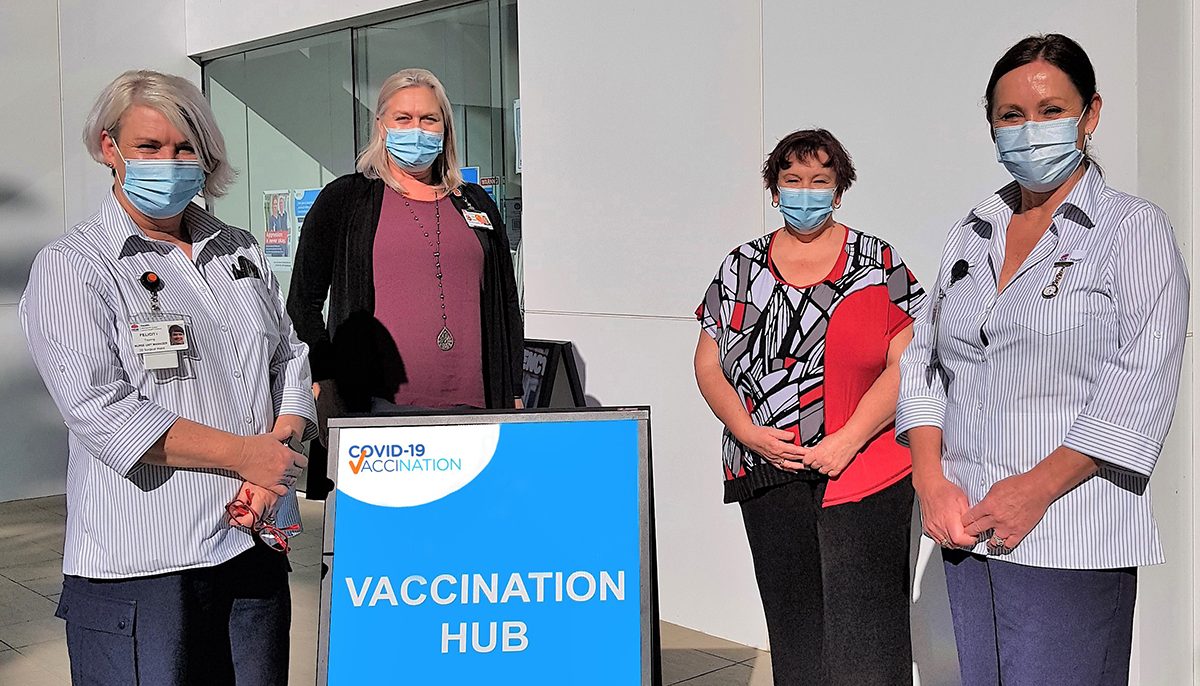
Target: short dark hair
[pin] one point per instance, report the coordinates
(809, 144)
(1054, 48)
(175, 328)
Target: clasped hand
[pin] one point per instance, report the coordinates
(1010, 510)
(829, 457)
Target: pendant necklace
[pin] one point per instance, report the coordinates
(445, 339)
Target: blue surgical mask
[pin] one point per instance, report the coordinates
(805, 209)
(414, 149)
(161, 188)
(1040, 154)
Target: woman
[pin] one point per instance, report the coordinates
(802, 335)
(406, 241)
(160, 333)
(1040, 387)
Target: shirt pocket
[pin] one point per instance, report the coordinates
(1072, 308)
(1051, 323)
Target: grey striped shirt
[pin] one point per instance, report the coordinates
(1094, 368)
(244, 367)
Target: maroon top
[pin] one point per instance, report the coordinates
(407, 301)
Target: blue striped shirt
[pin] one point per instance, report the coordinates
(244, 368)
(1094, 368)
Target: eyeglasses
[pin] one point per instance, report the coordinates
(275, 537)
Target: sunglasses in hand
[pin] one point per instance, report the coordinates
(263, 526)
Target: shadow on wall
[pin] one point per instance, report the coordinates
(35, 456)
(935, 658)
(589, 400)
(22, 223)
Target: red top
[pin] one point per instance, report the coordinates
(856, 349)
(408, 305)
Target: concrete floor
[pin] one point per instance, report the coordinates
(33, 649)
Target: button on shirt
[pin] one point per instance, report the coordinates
(1094, 368)
(244, 366)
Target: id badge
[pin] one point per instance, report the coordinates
(158, 338)
(477, 220)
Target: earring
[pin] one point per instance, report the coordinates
(837, 205)
(775, 204)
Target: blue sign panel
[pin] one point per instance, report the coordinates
(493, 553)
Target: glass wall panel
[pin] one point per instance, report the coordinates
(296, 114)
(287, 113)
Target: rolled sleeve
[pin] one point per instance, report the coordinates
(917, 411)
(70, 330)
(1133, 401)
(141, 431)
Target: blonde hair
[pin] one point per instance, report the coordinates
(374, 160)
(183, 105)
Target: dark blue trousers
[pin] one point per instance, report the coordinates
(216, 625)
(1029, 626)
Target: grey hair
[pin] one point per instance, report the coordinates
(183, 105)
(373, 162)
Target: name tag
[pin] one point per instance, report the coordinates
(1072, 256)
(477, 220)
(158, 341)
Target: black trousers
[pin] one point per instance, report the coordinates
(214, 625)
(834, 584)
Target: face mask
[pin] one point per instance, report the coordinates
(805, 209)
(414, 149)
(1040, 154)
(161, 188)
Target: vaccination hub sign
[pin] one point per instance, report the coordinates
(489, 549)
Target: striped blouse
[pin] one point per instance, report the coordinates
(243, 368)
(1082, 349)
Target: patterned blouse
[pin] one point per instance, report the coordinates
(803, 357)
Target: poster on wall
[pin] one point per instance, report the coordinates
(277, 239)
(302, 200)
(490, 184)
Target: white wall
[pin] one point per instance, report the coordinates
(638, 163)
(57, 57)
(98, 40)
(1165, 633)
(31, 214)
(217, 24)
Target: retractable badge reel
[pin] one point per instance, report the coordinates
(957, 273)
(157, 336)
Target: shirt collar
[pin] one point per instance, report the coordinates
(124, 238)
(1079, 206)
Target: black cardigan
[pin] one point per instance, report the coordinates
(335, 258)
